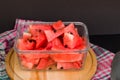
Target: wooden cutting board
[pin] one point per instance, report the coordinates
(16, 73)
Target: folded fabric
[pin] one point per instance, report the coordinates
(104, 62)
(104, 57)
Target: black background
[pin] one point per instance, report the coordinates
(100, 16)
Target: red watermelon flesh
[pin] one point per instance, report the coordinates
(51, 35)
(28, 62)
(25, 45)
(58, 25)
(81, 44)
(21, 44)
(77, 64)
(40, 26)
(70, 29)
(36, 28)
(40, 40)
(28, 57)
(30, 44)
(44, 63)
(72, 41)
(71, 37)
(57, 43)
(26, 36)
(31, 60)
(49, 46)
(69, 65)
(35, 55)
(65, 57)
(68, 40)
(59, 33)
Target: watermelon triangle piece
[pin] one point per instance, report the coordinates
(58, 25)
(51, 35)
(67, 57)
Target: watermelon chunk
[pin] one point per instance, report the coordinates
(28, 61)
(26, 36)
(65, 57)
(69, 65)
(21, 44)
(49, 46)
(44, 63)
(51, 35)
(70, 29)
(72, 41)
(31, 60)
(58, 25)
(26, 45)
(40, 40)
(57, 44)
(71, 38)
(36, 28)
(30, 44)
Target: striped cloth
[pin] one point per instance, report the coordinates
(104, 57)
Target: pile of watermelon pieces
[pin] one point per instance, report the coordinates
(46, 37)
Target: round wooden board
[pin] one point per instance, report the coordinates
(16, 73)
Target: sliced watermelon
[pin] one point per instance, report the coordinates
(35, 55)
(80, 43)
(40, 55)
(65, 65)
(40, 40)
(31, 60)
(59, 33)
(28, 61)
(71, 38)
(40, 27)
(26, 36)
(25, 45)
(21, 44)
(72, 41)
(58, 25)
(70, 29)
(30, 44)
(36, 28)
(65, 57)
(57, 42)
(77, 64)
(69, 65)
(49, 46)
(68, 40)
(44, 63)
(51, 35)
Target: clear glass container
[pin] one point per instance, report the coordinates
(66, 59)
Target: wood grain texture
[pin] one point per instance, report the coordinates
(16, 73)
